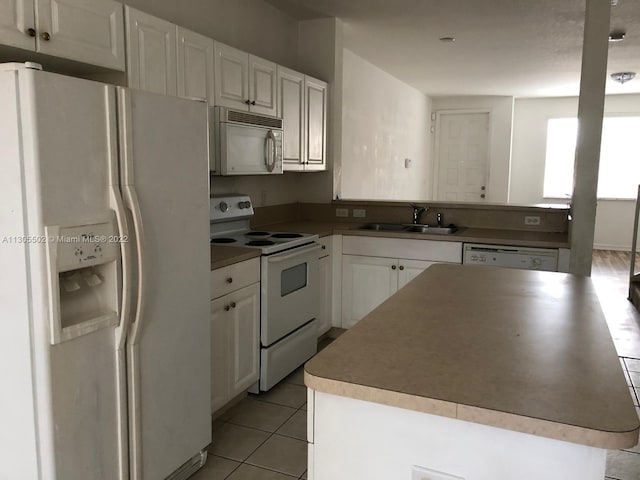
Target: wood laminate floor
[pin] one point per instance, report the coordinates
(610, 275)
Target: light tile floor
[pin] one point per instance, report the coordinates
(264, 436)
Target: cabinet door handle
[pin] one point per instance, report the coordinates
(45, 36)
(227, 308)
(229, 280)
(31, 32)
(247, 101)
(482, 196)
(401, 267)
(233, 304)
(393, 267)
(253, 102)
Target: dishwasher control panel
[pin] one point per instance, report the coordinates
(511, 257)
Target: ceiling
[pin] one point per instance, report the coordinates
(519, 48)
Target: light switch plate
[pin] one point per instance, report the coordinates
(421, 473)
(342, 212)
(359, 212)
(532, 220)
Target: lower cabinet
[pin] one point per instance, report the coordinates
(369, 281)
(324, 288)
(235, 340)
(374, 268)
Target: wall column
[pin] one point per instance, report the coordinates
(595, 49)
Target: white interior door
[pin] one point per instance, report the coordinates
(462, 168)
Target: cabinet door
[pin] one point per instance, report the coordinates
(231, 77)
(220, 352)
(151, 47)
(324, 292)
(244, 322)
(263, 85)
(195, 66)
(410, 269)
(16, 18)
(315, 124)
(366, 283)
(291, 110)
(88, 31)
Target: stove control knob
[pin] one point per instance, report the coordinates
(223, 206)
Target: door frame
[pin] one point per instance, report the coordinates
(436, 156)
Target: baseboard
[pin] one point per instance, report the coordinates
(604, 246)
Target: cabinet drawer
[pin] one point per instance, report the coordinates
(228, 279)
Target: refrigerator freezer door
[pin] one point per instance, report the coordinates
(61, 128)
(164, 155)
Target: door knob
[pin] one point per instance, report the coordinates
(229, 280)
(45, 36)
(482, 196)
(483, 187)
(233, 304)
(227, 308)
(31, 32)
(393, 267)
(401, 267)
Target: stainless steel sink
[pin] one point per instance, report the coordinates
(404, 227)
(384, 227)
(431, 230)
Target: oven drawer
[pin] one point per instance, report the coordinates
(233, 277)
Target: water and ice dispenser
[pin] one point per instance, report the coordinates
(84, 278)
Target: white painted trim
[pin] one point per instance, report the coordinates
(436, 142)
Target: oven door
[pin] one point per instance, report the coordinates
(289, 287)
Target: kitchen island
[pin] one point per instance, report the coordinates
(476, 373)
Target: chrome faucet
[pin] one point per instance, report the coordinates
(418, 211)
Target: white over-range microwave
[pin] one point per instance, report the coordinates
(245, 143)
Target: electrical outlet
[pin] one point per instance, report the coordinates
(342, 212)
(359, 213)
(532, 220)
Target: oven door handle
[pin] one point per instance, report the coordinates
(296, 252)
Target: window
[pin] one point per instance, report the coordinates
(619, 173)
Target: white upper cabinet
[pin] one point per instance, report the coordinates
(18, 23)
(315, 124)
(302, 105)
(291, 110)
(244, 81)
(152, 53)
(87, 31)
(262, 85)
(195, 65)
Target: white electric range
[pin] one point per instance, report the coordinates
(289, 275)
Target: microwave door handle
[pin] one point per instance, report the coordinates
(267, 152)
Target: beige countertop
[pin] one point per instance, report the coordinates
(521, 238)
(222, 256)
(521, 350)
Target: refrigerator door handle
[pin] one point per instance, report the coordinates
(131, 199)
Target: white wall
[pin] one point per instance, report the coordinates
(501, 112)
(614, 218)
(384, 121)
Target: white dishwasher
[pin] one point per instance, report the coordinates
(511, 257)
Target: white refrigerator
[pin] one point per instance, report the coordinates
(104, 290)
